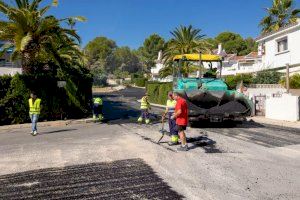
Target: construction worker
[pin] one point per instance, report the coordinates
(170, 109)
(181, 116)
(97, 109)
(145, 107)
(34, 112)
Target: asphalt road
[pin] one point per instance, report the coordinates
(121, 107)
(120, 159)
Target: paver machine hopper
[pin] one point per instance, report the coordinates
(207, 95)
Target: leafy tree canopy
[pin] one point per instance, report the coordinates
(232, 42)
(126, 60)
(149, 51)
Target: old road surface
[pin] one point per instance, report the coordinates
(120, 159)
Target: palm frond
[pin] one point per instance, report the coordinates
(79, 18)
(25, 41)
(4, 8)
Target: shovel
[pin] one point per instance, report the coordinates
(162, 131)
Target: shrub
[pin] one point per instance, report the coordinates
(4, 85)
(267, 77)
(72, 101)
(100, 80)
(118, 74)
(232, 81)
(14, 106)
(140, 82)
(294, 81)
(158, 92)
(136, 75)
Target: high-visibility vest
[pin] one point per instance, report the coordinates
(171, 105)
(34, 107)
(144, 103)
(98, 101)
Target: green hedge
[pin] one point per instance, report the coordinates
(140, 82)
(233, 80)
(135, 75)
(267, 77)
(158, 92)
(4, 85)
(72, 101)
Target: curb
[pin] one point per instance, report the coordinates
(137, 87)
(47, 124)
(281, 124)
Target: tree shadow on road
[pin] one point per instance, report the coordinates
(118, 112)
(226, 124)
(57, 131)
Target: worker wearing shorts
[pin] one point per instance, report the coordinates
(181, 116)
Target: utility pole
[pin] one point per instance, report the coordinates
(200, 65)
(287, 78)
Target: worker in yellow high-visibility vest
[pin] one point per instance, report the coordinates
(170, 109)
(97, 108)
(145, 107)
(34, 111)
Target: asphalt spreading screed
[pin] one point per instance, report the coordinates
(125, 179)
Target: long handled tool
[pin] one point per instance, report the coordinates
(162, 130)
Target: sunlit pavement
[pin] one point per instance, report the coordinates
(121, 159)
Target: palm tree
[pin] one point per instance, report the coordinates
(280, 14)
(185, 40)
(31, 34)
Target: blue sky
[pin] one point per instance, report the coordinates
(129, 22)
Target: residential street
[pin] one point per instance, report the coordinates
(120, 159)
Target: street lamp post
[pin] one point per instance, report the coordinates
(287, 78)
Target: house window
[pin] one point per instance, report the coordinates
(282, 45)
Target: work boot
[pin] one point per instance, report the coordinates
(172, 143)
(174, 140)
(140, 120)
(183, 148)
(147, 121)
(34, 133)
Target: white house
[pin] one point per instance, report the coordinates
(158, 66)
(6, 66)
(281, 48)
(234, 64)
(276, 50)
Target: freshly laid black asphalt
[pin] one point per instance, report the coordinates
(125, 179)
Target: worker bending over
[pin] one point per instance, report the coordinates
(170, 109)
(34, 112)
(145, 107)
(97, 109)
